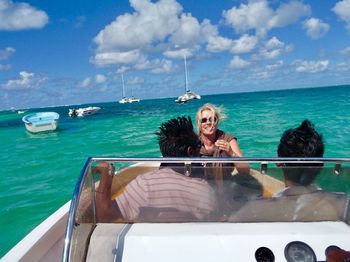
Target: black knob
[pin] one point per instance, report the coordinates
(264, 254)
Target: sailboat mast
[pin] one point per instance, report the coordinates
(186, 77)
(123, 86)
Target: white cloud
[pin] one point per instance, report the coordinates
(5, 67)
(123, 69)
(254, 15)
(99, 79)
(136, 81)
(244, 44)
(238, 63)
(262, 75)
(269, 71)
(6, 53)
(272, 49)
(112, 58)
(345, 51)
(87, 82)
(342, 9)
(160, 26)
(20, 16)
(289, 13)
(149, 23)
(180, 53)
(218, 44)
(210, 35)
(26, 80)
(258, 16)
(162, 66)
(315, 28)
(311, 66)
(275, 66)
(187, 32)
(343, 67)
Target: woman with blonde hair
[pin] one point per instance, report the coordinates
(215, 142)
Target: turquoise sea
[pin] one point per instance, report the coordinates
(39, 171)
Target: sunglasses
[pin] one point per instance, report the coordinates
(205, 120)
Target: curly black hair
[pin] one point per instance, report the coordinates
(175, 136)
(303, 141)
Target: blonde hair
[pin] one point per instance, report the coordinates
(217, 112)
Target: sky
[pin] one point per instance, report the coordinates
(63, 52)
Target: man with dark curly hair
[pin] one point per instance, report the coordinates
(163, 194)
(303, 141)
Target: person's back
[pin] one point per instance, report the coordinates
(301, 200)
(164, 191)
(154, 195)
(300, 204)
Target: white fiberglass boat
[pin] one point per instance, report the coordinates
(296, 227)
(134, 99)
(80, 112)
(41, 122)
(189, 95)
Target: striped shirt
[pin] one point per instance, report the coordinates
(166, 189)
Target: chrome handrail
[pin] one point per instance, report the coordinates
(222, 160)
(72, 211)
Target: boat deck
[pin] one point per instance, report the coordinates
(210, 241)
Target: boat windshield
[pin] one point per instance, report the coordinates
(204, 191)
(204, 194)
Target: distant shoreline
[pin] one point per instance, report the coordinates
(246, 92)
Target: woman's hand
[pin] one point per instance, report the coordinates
(225, 146)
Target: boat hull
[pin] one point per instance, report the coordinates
(161, 241)
(186, 97)
(45, 242)
(129, 100)
(42, 128)
(41, 122)
(80, 112)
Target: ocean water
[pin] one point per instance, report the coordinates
(39, 171)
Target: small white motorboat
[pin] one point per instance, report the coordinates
(40, 122)
(80, 112)
(271, 235)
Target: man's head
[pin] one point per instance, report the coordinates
(177, 138)
(303, 141)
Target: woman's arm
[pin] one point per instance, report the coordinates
(235, 151)
(232, 149)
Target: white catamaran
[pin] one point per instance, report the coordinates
(313, 220)
(125, 99)
(189, 95)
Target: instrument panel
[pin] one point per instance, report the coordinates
(295, 251)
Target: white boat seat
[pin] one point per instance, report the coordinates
(103, 241)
